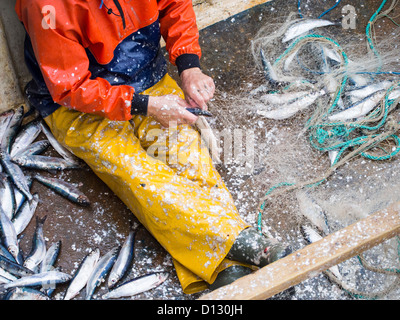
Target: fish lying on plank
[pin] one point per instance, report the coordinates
(25, 213)
(15, 173)
(25, 137)
(100, 271)
(35, 148)
(124, 260)
(303, 26)
(7, 196)
(14, 268)
(290, 109)
(365, 91)
(137, 285)
(38, 250)
(282, 98)
(313, 236)
(45, 163)
(82, 274)
(51, 256)
(9, 235)
(25, 293)
(44, 279)
(359, 109)
(64, 188)
(12, 129)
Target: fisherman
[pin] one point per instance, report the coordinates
(100, 82)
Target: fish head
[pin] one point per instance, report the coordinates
(162, 276)
(112, 281)
(14, 250)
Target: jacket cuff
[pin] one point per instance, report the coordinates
(187, 61)
(139, 104)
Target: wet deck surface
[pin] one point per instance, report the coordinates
(105, 223)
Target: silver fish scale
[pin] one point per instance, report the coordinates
(137, 285)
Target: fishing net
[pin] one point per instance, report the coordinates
(309, 168)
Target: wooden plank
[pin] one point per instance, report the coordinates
(209, 12)
(10, 92)
(313, 259)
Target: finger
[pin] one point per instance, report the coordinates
(192, 103)
(199, 99)
(211, 87)
(189, 117)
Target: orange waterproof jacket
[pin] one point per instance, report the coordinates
(96, 56)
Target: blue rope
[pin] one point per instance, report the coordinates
(324, 13)
(329, 10)
(101, 4)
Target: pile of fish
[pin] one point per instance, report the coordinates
(362, 94)
(287, 92)
(34, 277)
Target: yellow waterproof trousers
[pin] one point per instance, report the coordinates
(166, 178)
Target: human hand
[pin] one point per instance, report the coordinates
(198, 87)
(170, 108)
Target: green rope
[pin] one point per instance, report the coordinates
(368, 33)
(331, 136)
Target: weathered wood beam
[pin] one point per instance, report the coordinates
(10, 92)
(314, 258)
(209, 12)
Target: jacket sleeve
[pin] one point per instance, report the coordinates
(180, 32)
(63, 61)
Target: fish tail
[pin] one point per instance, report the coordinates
(40, 221)
(3, 289)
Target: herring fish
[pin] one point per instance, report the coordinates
(9, 236)
(39, 279)
(209, 138)
(313, 236)
(50, 257)
(25, 137)
(303, 26)
(24, 214)
(35, 148)
(270, 73)
(82, 275)
(4, 252)
(137, 285)
(7, 197)
(359, 109)
(282, 98)
(12, 128)
(45, 163)
(123, 262)
(62, 151)
(20, 197)
(5, 119)
(365, 91)
(14, 268)
(6, 275)
(100, 271)
(287, 110)
(64, 188)
(312, 211)
(38, 251)
(25, 293)
(16, 174)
